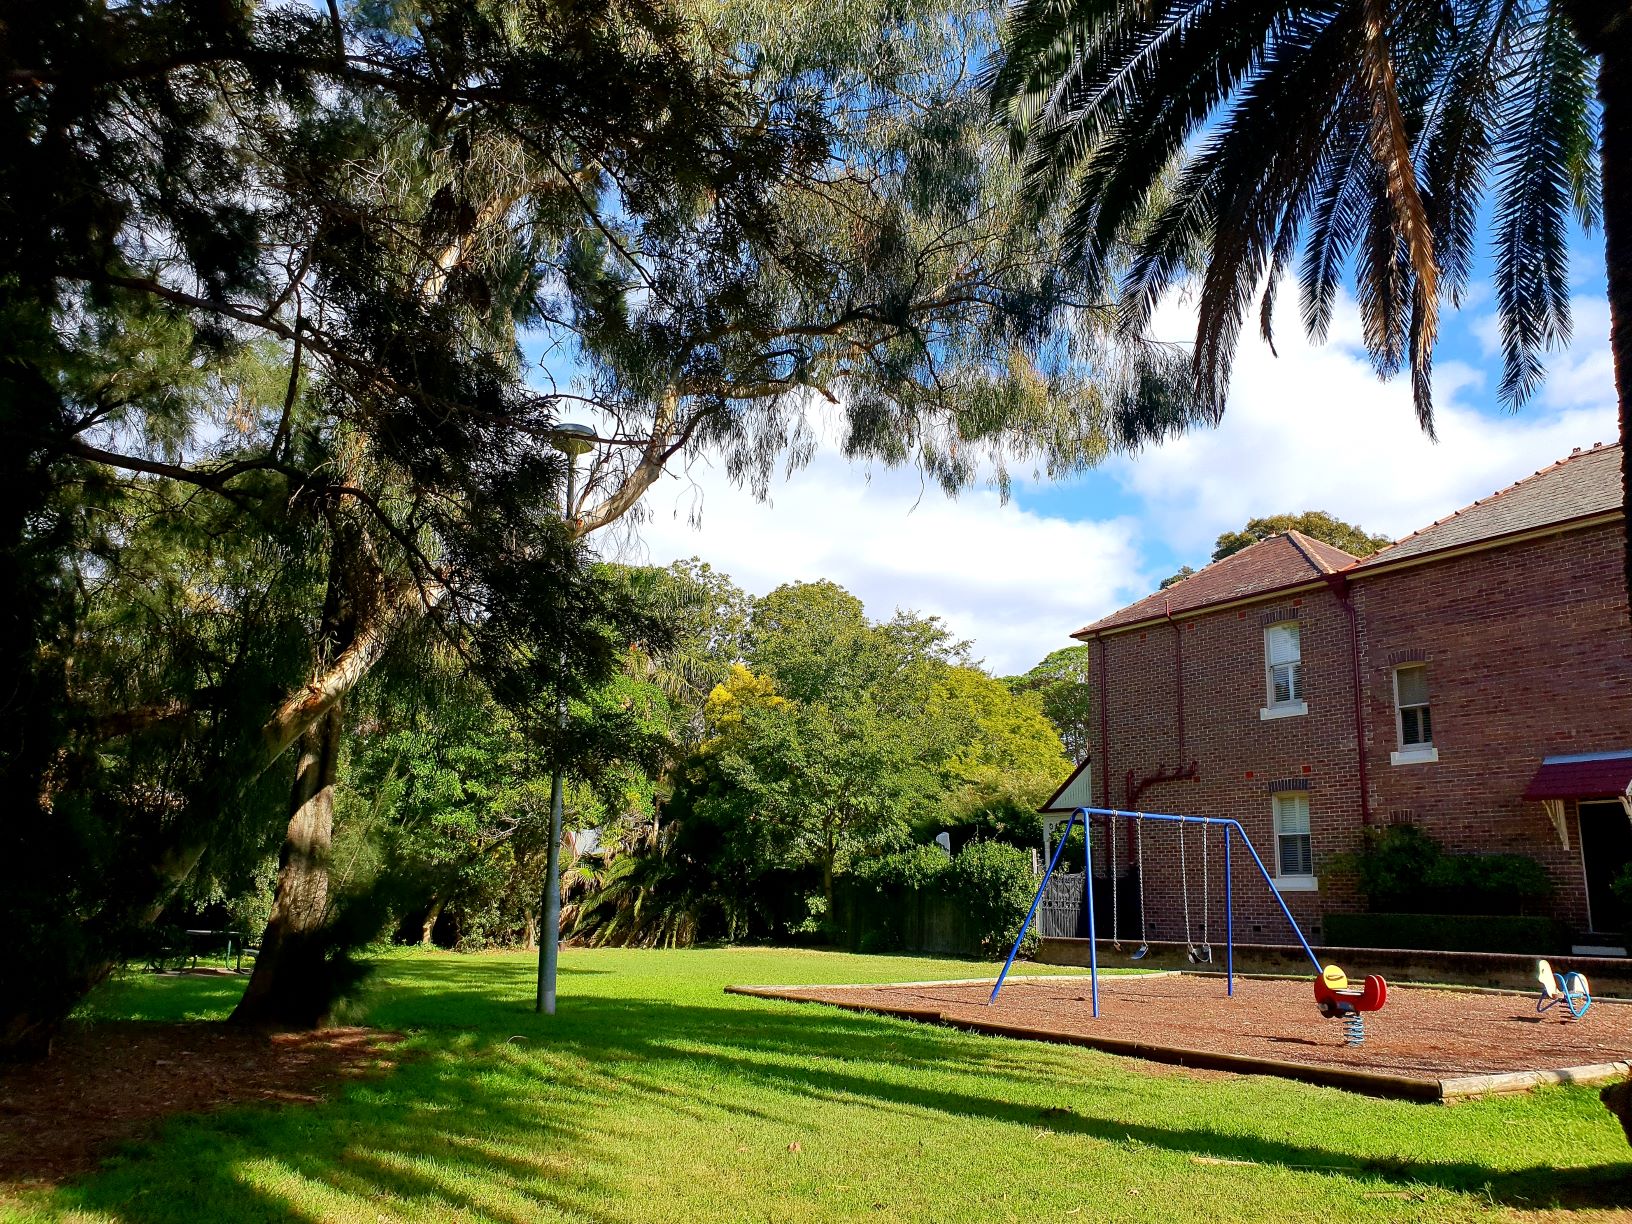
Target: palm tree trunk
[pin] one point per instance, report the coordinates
(1605, 30)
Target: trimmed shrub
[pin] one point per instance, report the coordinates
(992, 885)
(919, 900)
(1403, 868)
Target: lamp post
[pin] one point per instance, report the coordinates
(571, 441)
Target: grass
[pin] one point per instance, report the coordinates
(652, 1096)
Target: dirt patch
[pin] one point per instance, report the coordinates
(110, 1082)
(1423, 1033)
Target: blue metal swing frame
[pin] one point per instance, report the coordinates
(1231, 829)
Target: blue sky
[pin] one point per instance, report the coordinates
(1467, 350)
(1310, 429)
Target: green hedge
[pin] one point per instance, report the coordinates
(1443, 932)
(1403, 867)
(921, 900)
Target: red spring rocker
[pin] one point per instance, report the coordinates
(1335, 997)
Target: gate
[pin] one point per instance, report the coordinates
(1059, 914)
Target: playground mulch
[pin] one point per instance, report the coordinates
(1427, 1043)
(109, 1082)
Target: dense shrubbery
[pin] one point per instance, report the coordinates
(1403, 869)
(972, 903)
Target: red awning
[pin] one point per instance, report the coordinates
(1604, 775)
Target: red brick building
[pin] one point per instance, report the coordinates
(1474, 678)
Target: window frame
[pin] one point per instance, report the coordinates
(1293, 881)
(1296, 705)
(1411, 754)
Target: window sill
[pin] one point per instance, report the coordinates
(1414, 756)
(1288, 884)
(1290, 709)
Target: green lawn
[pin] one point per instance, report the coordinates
(655, 1097)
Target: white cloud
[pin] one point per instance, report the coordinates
(1014, 582)
(1312, 429)
(1315, 429)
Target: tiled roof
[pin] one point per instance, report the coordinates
(1588, 482)
(1285, 560)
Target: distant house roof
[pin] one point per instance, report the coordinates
(1586, 483)
(1286, 560)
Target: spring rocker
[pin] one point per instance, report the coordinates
(1336, 998)
(1570, 989)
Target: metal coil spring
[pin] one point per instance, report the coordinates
(1356, 1024)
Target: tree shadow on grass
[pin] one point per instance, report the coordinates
(505, 1114)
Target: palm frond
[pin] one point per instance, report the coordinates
(1536, 189)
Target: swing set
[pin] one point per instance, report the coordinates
(1334, 997)
(1195, 953)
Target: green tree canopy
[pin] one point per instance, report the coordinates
(1316, 524)
(1062, 682)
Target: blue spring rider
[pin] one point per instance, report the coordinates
(1570, 989)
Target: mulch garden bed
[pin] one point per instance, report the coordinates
(106, 1083)
(1427, 1043)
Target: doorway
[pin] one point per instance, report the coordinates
(1606, 847)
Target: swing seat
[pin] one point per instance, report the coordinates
(1570, 989)
(1334, 996)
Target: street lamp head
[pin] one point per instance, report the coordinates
(572, 440)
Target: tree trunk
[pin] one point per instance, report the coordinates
(429, 925)
(1605, 30)
(282, 989)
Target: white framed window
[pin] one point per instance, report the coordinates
(1413, 716)
(1294, 850)
(1283, 671)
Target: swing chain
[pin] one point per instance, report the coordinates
(1206, 900)
(1184, 889)
(1116, 909)
(1139, 841)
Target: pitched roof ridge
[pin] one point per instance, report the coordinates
(1575, 454)
(1301, 541)
(1228, 557)
(1171, 594)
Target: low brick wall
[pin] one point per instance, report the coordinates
(1609, 977)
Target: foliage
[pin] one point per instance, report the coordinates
(1006, 757)
(840, 760)
(993, 886)
(1369, 138)
(262, 278)
(916, 867)
(1062, 680)
(987, 887)
(904, 300)
(1316, 524)
(268, 267)
(1403, 868)
(829, 747)
(1183, 572)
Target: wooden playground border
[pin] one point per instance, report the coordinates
(1444, 1091)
